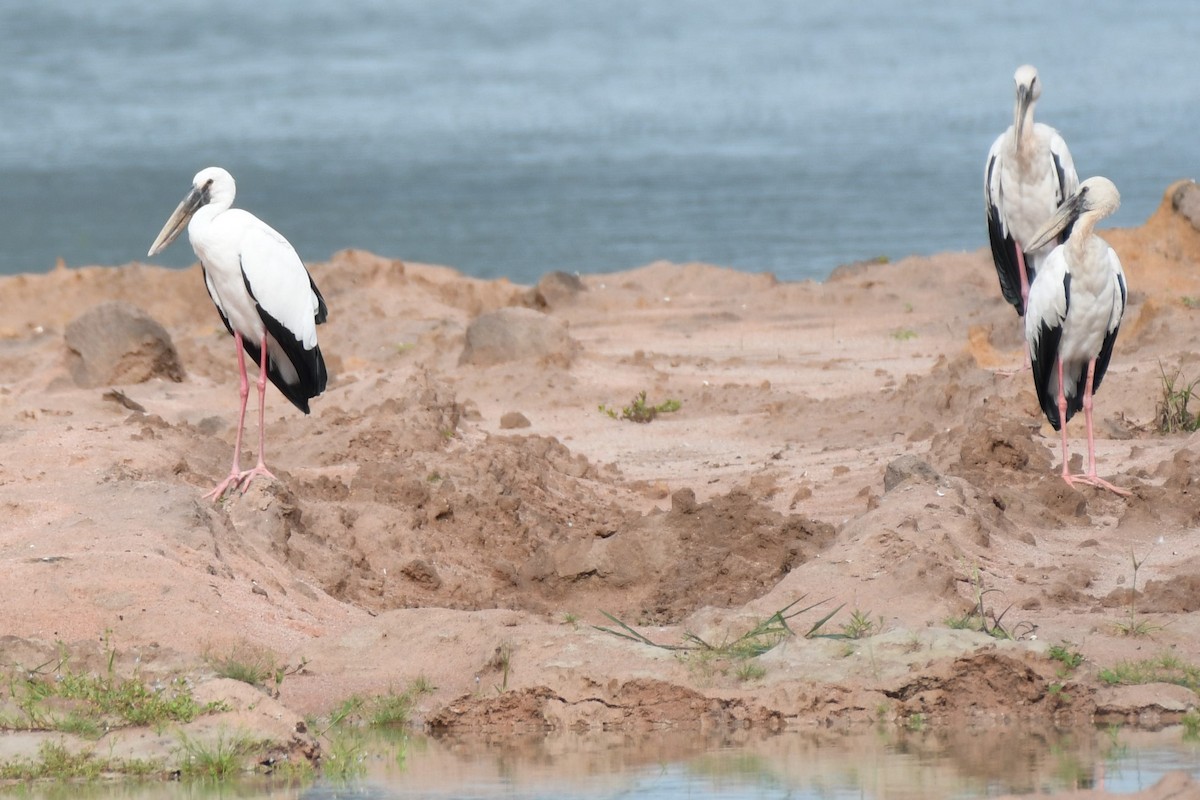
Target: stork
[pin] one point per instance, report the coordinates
(1029, 173)
(1075, 308)
(265, 297)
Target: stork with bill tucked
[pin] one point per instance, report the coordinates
(1075, 307)
(1028, 175)
(265, 297)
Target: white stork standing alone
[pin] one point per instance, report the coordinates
(265, 297)
(1075, 308)
(1029, 173)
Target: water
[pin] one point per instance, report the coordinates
(514, 137)
(815, 765)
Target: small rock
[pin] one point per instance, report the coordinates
(683, 501)
(514, 419)
(905, 467)
(118, 343)
(511, 334)
(555, 289)
(422, 572)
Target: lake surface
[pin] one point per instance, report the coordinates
(884, 764)
(515, 137)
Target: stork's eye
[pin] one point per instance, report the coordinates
(208, 183)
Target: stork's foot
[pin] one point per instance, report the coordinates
(225, 486)
(1097, 481)
(239, 480)
(1100, 483)
(250, 474)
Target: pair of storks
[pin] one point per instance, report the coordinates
(1064, 280)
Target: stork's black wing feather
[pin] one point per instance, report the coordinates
(1044, 360)
(1004, 249)
(309, 364)
(1106, 349)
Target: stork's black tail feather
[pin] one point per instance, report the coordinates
(309, 364)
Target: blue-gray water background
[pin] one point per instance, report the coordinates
(514, 137)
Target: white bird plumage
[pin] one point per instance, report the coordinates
(265, 297)
(1075, 307)
(1028, 174)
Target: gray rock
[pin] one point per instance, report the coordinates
(514, 419)
(905, 467)
(555, 289)
(512, 334)
(1186, 200)
(118, 343)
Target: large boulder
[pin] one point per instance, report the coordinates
(119, 343)
(512, 334)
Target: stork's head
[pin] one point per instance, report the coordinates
(1097, 197)
(1029, 89)
(212, 186)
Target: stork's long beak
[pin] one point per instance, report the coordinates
(1064, 217)
(1024, 98)
(178, 221)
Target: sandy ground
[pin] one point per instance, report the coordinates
(412, 534)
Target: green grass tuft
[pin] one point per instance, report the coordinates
(217, 761)
(640, 411)
(1172, 412)
(1165, 668)
(55, 762)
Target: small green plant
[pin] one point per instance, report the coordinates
(421, 685)
(569, 618)
(1070, 659)
(904, 334)
(345, 757)
(983, 619)
(1133, 624)
(964, 622)
(501, 661)
(747, 671)
(217, 761)
(95, 703)
(55, 762)
(345, 713)
(253, 665)
(640, 411)
(394, 709)
(1165, 668)
(388, 710)
(762, 637)
(1058, 690)
(1172, 411)
(861, 625)
(1191, 725)
(915, 722)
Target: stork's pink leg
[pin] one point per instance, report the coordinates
(1091, 476)
(1062, 425)
(260, 468)
(1024, 302)
(235, 474)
